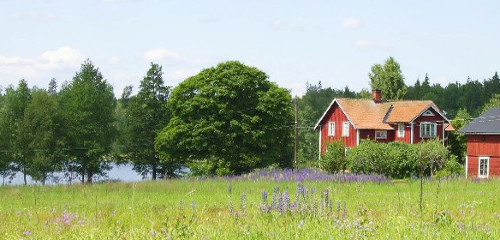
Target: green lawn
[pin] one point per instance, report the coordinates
(210, 209)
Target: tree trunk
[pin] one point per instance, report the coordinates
(154, 171)
(83, 176)
(89, 177)
(24, 176)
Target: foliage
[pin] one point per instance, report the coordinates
(458, 141)
(472, 95)
(389, 79)
(431, 154)
(44, 138)
(451, 168)
(494, 102)
(87, 105)
(397, 159)
(146, 117)
(333, 160)
(230, 115)
(16, 101)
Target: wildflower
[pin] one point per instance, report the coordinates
(264, 197)
(229, 188)
(286, 200)
(243, 201)
(27, 233)
(301, 223)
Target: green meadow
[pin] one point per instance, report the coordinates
(253, 209)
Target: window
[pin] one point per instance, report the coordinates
(428, 113)
(401, 130)
(345, 129)
(331, 129)
(428, 130)
(380, 134)
(484, 164)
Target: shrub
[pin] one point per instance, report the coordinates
(451, 167)
(333, 160)
(397, 159)
(432, 155)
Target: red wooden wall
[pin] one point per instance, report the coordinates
(473, 163)
(436, 118)
(483, 146)
(407, 136)
(337, 115)
(370, 134)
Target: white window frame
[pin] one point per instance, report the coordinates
(486, 165)
(331, 129)
(401, 130)
(345, 129)
(380, 134)
(428, 113)
(434, 129)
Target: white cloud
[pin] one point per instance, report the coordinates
(160, 54)
(163, 55)
(49, 62)
(60, 58)
(113, 60)
(351, 23)
(180, 74)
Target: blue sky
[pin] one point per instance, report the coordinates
(294, 42)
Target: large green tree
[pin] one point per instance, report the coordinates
(7, 169)
(389, 79)
(147, 115)
(16, 102)
(87, 105)
(231, 118)
(44, 138)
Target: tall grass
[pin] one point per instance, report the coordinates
(243, 209)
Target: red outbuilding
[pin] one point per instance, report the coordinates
(352, 120)
(483, 145)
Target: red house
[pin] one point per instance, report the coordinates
(483, 145)
(385, 121)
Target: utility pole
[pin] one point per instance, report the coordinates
(295, 156)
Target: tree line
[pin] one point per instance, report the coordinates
(228, 119)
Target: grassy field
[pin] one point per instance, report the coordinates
(253, 208)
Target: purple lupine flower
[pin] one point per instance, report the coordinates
(280, 202)
(27, 233)
(344, 213)
(229, 188)
(243, 199)
(264, 197)
(286, 200)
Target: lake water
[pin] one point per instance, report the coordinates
(122, 172)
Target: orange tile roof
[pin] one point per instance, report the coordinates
(367, 114)
(449, 127)
(406, 111)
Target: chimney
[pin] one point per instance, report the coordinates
(377, 95)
